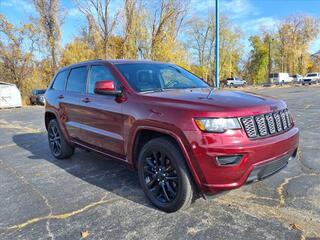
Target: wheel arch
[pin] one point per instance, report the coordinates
(143, 134)
(48, 116)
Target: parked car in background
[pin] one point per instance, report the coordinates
(234, 82)
(10, 96)
(297, 78)
(280, 78)
(311, 78)
(184, 138)
(37, 97)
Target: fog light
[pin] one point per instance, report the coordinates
(228, 160)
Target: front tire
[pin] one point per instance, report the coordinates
(59, 147)
(164, 175)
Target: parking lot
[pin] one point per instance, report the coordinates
(45, 198)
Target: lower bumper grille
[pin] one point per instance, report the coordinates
(265, 170)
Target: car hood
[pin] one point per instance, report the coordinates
(218, 101)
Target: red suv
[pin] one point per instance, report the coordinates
(184, 138)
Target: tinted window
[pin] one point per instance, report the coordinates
(77, 80)
(60, 80)
(145, 77)
(99, 73)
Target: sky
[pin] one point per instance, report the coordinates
(248, 15)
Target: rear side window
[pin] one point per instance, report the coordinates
(77, 80)
(99, 73)
(60, 81)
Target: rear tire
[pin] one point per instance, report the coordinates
(164, 175)
(59, 147)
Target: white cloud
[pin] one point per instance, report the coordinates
(74, 12)
(238, 8)
(19, 5)
(253, 26)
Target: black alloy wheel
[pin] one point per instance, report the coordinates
(164, 175)
(160, 176)
(54, 140)
(59, 147)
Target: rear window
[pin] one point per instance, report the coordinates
(77, 80)
(60, 81)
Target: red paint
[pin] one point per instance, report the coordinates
(104, 86)
(110, 124)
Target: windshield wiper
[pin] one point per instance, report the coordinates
(153, 90)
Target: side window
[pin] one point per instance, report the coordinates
(60, 81)
(77, 80)
(99, 73)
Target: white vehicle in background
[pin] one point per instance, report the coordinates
(280, 78)
(297, 78)
(311, 78)
(10, 96)
(234, 82)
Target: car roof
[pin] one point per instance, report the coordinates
(112, 61)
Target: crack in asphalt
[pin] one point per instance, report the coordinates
(285, 215)
(62, 215)
(22, 179)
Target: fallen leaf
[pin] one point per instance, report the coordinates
(85, 234)
(295, 226)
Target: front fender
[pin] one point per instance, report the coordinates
(173, 132)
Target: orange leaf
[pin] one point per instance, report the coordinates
(85, 234)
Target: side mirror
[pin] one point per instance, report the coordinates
(106, 88)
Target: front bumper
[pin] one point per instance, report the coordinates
(265, 170)
(261, 158)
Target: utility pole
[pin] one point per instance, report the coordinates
(217, 45)
(270, 63)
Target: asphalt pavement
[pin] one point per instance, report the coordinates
(98, 198)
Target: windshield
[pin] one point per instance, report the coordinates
(144, 77)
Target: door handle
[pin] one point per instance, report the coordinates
(60, 96)
(85, 100)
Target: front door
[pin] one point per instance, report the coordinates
(102, 116)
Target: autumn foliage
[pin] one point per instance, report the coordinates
(161, 30)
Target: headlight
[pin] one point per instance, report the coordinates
(218, 125)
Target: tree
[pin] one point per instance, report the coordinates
(294, 35)
(257, 65)
(76, 51)
(101, 24)
(135, 34)
(167, 19)
(201, 38)
(17, 47)
(49, 21)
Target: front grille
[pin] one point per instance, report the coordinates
(267, 124)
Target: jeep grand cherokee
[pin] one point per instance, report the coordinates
(183, 137)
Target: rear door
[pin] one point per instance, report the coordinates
(73, 103)
(102, 116)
